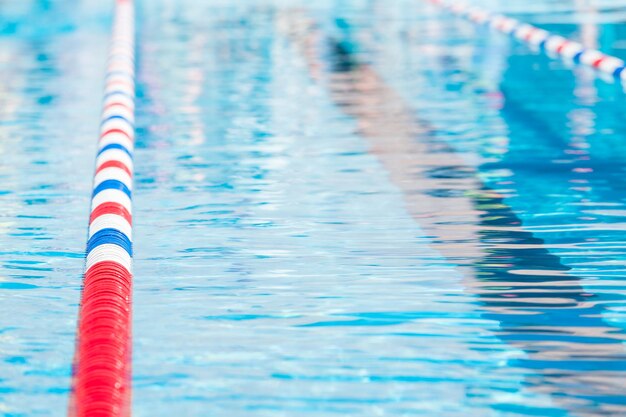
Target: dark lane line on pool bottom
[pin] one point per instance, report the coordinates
(419, 163)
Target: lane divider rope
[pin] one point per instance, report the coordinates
(540, 38)
(102, 370)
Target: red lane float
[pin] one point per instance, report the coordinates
(540, 38)
(102, 370)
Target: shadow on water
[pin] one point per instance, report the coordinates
(570, 352)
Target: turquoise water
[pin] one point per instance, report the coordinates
(358, 208)
(52, 58)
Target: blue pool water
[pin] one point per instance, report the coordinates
(361, 208)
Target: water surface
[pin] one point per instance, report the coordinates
(341, 208)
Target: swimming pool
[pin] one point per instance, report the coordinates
(341, 208)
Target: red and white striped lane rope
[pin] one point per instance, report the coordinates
(101, 380)
(539, 38)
